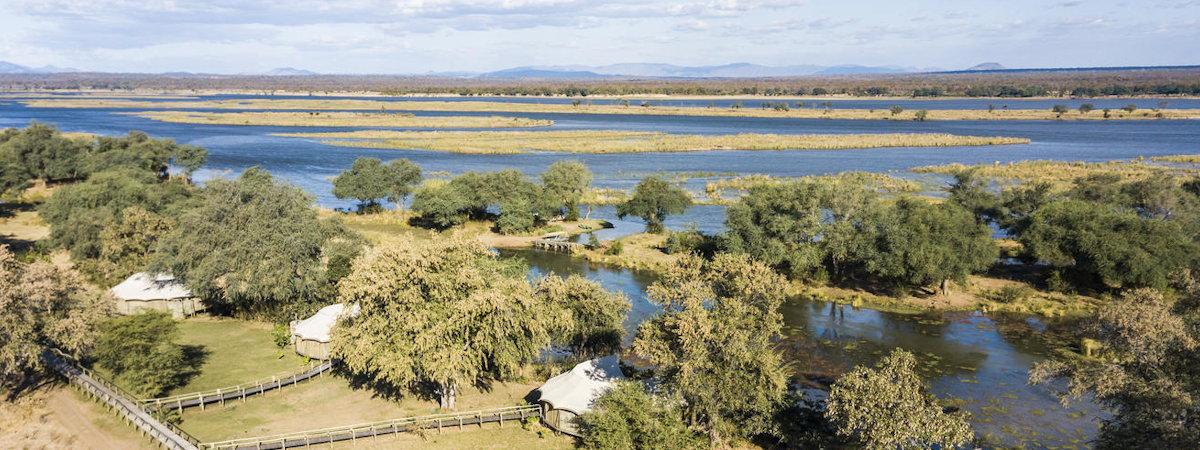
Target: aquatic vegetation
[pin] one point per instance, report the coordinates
(1060, 173)
(605, 141)
(338, 119)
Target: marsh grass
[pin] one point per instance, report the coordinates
(604, 141)
(585, 108)
(726, 190)
(338, 119)
(1183, 159)
(1061, 173)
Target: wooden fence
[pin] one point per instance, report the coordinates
(240, 391)
(373, 429)
(166, 434)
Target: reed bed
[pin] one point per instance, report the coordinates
(339, 119)
(727, 190)
(749, 110)
(597, 141)
(1060, 173)
(1183, 159)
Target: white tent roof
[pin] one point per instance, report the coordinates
(319, 326)
(578, 389)
(144, 286)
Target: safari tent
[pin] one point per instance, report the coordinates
(311, 336)
(572, 393)
(155, 292)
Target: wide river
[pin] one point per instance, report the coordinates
(981, 359)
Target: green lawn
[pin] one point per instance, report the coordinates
(328, 401)
(237, 351)
(489, 437)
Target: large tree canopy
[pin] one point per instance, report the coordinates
(714, 344)
(1108, 246)
(597, 316)
(653, 200)
(445, 314)
(42, 307)
(254, 245)
(368, 180)
(565, 182)
(918, 244)
(627, 417)
(140, 350)
(887, 407)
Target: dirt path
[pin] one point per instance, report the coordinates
(80, 420)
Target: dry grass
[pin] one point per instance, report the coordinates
(339, 119)
(1060, 173)
(1185, 159)
(798, 113)
(597, 141)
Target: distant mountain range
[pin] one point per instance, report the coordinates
(986, 66)
(7, 67)
(289, 71)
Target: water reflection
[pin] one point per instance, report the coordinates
(983, 361)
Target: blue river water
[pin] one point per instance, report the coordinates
(981, 359)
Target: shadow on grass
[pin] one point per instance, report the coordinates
(194, 357)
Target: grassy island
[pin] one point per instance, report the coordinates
(339, 119)
(513, 142)
(762, 109)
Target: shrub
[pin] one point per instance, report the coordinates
(1012, 293)
(615, 248)
(140, 350)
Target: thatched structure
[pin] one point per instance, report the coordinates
(155, 292)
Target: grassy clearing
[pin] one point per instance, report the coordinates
(339, 119)
(1060, 173)
(329, 401)
(751, 110)
(237, 351)
(490, 436)
(513, 142)
(642, 251)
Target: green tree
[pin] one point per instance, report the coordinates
(597, 316)
(918, 244)
(1086, 108)
(42, 307)
(921, 115)
(653, 200)
(565, 182)
(368, 180)
(896, 109)
(445, 314)
(971, 192)
(126, 246)
(627, 417)
(1148, 372)
(189, 158)
(1059, 109)
(887, 407)
(140, 350)
(80, 212)
(441, 205)
(1108, 246)
(254, 245)
(714, 344)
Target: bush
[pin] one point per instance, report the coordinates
(691, 241)
(615, 248)
(281, 335)
(140, 350)
(1012, 293)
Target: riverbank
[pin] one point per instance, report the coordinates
(602, 141)
(775, 109)
(339, 119)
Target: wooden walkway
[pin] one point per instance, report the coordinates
(557, 245)
(382, 428)
(165, 434)
(240, 391)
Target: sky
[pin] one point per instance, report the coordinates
(422, 36)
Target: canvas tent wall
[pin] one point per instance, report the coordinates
(311, 336)
(155, 292)
(570, 394)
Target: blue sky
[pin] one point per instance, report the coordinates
(418, 36)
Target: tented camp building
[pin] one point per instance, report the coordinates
(570, 394)
(155, 292)
(312, 336)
